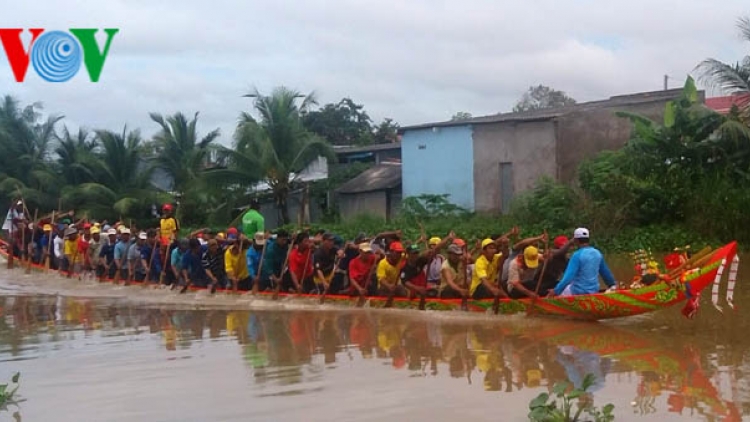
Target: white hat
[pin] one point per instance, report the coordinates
(112, 232)
(260, 238)
(19, 202)
(581, 233)
(142, 236)
(124, 230)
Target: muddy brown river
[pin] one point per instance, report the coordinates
(90, 352)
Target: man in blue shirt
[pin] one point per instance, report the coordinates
(581, 277)
(192, 266)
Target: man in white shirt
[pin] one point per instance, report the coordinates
(58, 247)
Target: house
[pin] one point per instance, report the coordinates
(375, 192)
(484, 162)
(377, 153)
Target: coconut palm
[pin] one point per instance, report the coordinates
(76, 160)
(179, 151)
(731, 78)
(275, 147)
(25, 140)
(122, 178)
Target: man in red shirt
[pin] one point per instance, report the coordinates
(413, 274)
(361, 270)
(301, 264)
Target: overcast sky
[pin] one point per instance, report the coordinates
(415, 61)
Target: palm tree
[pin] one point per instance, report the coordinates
(122, 178)
(76, 160)
(275, 147)
(25, 139)
(179, 151)
(731, 78)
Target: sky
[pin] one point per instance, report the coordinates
(414, 61)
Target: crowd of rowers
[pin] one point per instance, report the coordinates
(500, 266)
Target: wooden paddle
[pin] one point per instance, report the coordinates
(154, 247)
(10, 232)
(284, 268)
(330, 280)
(73, 261)
(256, 282)
(530, 309)
(49, 243)
(692, 262)
(304, 270)
(363, 298)
(118, 274)
(422, 301)
(33, 235)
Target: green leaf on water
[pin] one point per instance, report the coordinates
(16, 377)
(559, 388)
(538, 414)
(608, 409)
(588, 381)
(539, 401)
(575, 394)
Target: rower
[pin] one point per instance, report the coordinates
(484, 279)
(360, 270)
(235, 264)
(300, 265)
(585, 266)
(389, 270)
(254, 255)
(324, 260)
(277, 248)
(521, 281)
(192, 266)
(413, 275)
(453, 275)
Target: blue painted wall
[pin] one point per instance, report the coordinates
(438, 161)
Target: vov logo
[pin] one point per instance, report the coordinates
(56, 55)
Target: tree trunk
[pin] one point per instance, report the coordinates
(281, 206)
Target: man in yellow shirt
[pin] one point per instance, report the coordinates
(484, 280)
(168, 226)
(235, 264)
(70, 250)
(389, 271)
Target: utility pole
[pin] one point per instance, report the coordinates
(666, 82)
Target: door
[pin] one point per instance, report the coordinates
(506, 186)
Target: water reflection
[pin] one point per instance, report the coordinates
(292, 353)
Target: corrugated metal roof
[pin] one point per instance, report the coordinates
(380, 177)
(366, 148)
(551, 113)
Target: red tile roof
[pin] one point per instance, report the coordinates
(724, 104)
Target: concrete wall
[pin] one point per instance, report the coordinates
(529, 146)
(383, 204)
(583, 134)
(370, 203)
(439, 161)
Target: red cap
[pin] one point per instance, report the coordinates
(459, 242)
(87, 225)
(396, 247)
(167, 207)
(231, 230)
(560, 241)
(199, 236)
